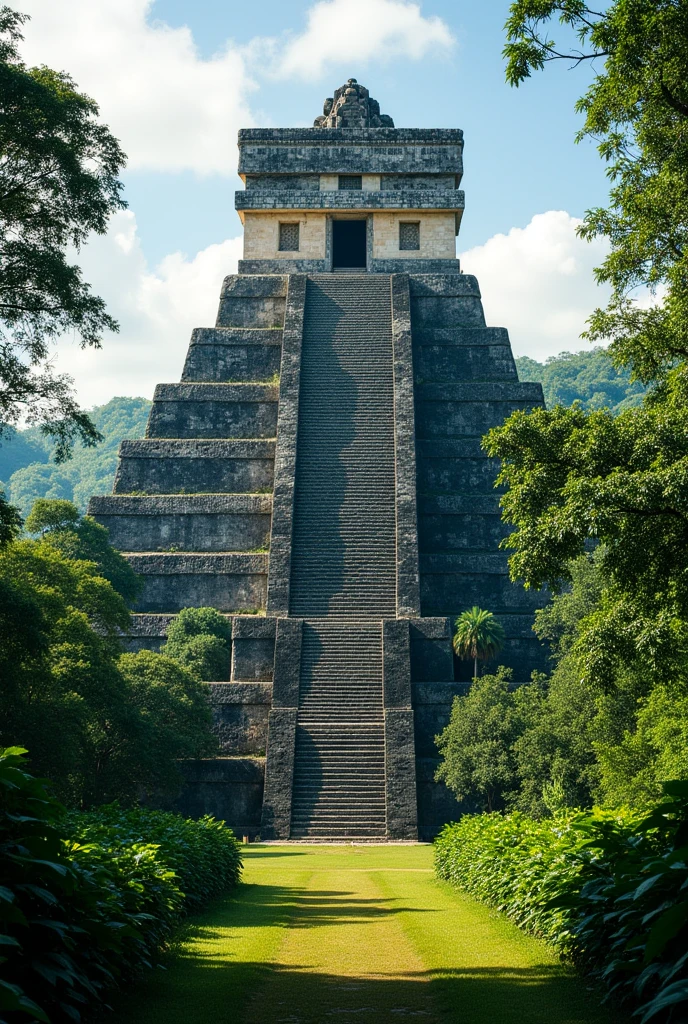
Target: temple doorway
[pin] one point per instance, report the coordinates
(349, 245)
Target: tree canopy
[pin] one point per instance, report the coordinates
(59, 183)
(101, 724)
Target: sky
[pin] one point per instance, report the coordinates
(176, 79)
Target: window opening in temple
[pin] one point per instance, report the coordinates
(350, 182)
(409, 235)
(289, 238)
(348, 244)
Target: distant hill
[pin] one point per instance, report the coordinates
(27, 472)
(588, 376)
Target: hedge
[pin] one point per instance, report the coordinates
(87, 900)
(608, 889)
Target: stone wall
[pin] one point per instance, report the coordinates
(261, 235)
(437, 236)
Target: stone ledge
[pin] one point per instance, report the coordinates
(185, 448)
(443, 286)
(142, 625)
(322, 137)
(156, 564)
(224, 769)
(462, 504)
(391, 199)
(253, 627)
(486, 563)
(240, 693)
(414, 265)
(506, 391)
(236, 336)
(430, 629)
(465, 337)
(187, 504)
(256, 287)
(438, 693)
(216, 393)
(451, 448)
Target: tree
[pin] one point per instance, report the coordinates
(10, 520)
(637, 110)
(478, 636)
(101, 724)
(478, 763)
(173, 719)
(58, 183)
(199, 639)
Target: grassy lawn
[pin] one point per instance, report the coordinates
(338, 933)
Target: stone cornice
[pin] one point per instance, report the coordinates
(389, 199)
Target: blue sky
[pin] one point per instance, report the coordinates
(176, 79)
(520, 155)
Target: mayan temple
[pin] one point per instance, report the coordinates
(317, 475)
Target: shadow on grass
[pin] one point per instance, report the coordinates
(219, 972)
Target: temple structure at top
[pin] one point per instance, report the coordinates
(317, 475)
(359, 195)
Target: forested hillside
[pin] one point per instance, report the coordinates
(27, 471)
(588, 377)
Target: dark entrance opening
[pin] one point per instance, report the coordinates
(348, 244)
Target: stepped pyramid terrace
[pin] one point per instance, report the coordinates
(317, 475)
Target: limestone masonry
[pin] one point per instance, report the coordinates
(317, 475)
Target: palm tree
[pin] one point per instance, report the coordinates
(478, 635)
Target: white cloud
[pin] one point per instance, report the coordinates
(156, 309)
(171, 109)
(538, 282)
(351, 31)
(174, 110)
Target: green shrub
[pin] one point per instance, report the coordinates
(608, 889)
(87, 902)
(200, 640)
(203, 854)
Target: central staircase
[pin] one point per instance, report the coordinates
(343, 574)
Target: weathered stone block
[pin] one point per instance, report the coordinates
(193, 466)
(256, 302)
(279, 776)
(287, 672)
(400, 772)
(457, 475)
(436, 804)
(431, 649)
(464, 363)
(396, 663)
(223, 522)
(230, 583)
(146, 632)
(240, 716)
(213, 410)
(448, 593)
(350, 151)
(232, 354)
(228, 788)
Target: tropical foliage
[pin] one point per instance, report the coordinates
(588, 378)
(597, 497)
(102, 724)
(199, 639)
(58, 184)
(608, 889)
(88, 901)
(477, 635)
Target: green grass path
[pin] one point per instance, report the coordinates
(319, 935)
